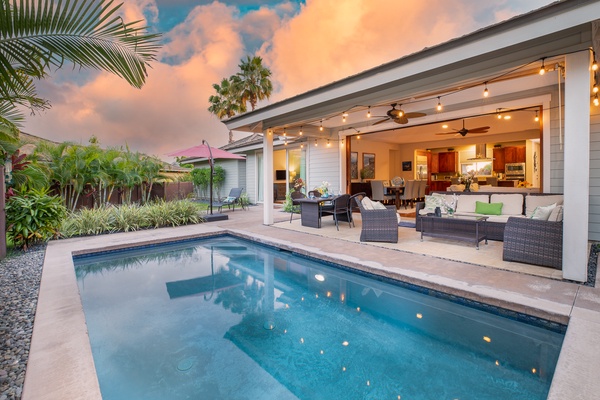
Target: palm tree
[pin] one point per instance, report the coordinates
(226, 102)
(253, 83)
(36, 35)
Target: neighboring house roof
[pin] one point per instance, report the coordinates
(255, 138)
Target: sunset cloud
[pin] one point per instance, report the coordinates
(305, 46)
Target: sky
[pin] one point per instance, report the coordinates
(306, 44)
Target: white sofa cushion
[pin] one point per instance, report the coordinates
(543, 212)
(531, 202)
(512, 204)
(466, 203)
(557, 214)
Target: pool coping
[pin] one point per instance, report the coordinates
(61, 363)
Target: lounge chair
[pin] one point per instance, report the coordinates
(378, 225)
(231, 200)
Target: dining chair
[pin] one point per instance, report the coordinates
(378, 192)
(409, 193)
(339, 207)
(295, 195)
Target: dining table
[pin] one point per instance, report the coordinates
(398, 191)
(310, 210)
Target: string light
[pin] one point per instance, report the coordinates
(316, 143)
(369, 112)
(543, 68)
(301, 145)
(439, 105)
(486, 92)
(300, 133)
(537, 118)
(321, 127)
(596, 101)
(594, 65)
(284, 133)
(328, 143)
(344, 116)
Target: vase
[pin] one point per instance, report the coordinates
(467, 187)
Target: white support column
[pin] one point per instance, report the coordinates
(268, 177)
(576, 166)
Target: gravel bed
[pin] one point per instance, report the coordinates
(20, 275)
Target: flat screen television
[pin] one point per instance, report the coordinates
(280, 175)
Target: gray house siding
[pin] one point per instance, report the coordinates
(594, 213)
(323, 165)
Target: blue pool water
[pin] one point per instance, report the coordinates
(224, 318)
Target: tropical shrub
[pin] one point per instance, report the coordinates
(109, 218)
(88, 221)
(33, 216)
(201, 180)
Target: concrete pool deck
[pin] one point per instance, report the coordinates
(61, 365)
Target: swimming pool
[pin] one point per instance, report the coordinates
(226, 318)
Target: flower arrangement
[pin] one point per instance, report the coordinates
(298, 184)
(523, 184)
(324, 188)
(467, 179)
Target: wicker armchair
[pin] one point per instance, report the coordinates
(378, 225)
(533, 241)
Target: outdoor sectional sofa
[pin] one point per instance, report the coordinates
(526, 240)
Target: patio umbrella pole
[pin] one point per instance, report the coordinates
(211, 161)
(212, 171)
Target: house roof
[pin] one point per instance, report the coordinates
(551, 31)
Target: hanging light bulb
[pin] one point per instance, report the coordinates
(537, 118)
(300, 133)
(328, 143)
(543, 68)
(594, 65)
(316, 143)
(284, 132)
(595, 88)
(301, 145)
(596, 101)
(358, 137)
(285, 142)
(342, 143)
(321, 127)
(439, 105)
(486, 92)
(369, 112)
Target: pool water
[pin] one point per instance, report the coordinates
(224, 318)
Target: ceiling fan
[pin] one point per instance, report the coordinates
(399, 116)
(463, 132)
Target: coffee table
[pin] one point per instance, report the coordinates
(471, 228)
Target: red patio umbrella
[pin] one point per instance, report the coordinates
(203, 151)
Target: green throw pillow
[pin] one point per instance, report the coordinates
(488, 208)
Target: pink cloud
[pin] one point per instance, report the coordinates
(323, 41)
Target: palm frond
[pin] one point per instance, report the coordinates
(88, 33)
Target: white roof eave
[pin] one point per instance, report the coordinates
(511, 38)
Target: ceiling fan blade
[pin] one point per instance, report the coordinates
(447, 133)
(381, 121)
(470, 131)
(414, 115)
(479, 130)
(402, 120)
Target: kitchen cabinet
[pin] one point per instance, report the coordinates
(439, 186)
(514, 154)
(435, 163)
(447, 161)
(499, 160)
